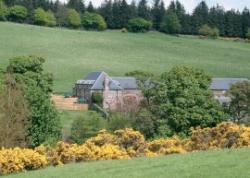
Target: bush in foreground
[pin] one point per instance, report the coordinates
(248, 34)
(123, 144)
(139, 25)
(3, 11)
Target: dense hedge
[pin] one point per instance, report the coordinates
(93, 21)
(139, 25)
(123, 144)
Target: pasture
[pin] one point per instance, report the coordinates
(71, 54)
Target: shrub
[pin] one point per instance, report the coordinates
(166, 146)
(87, 126)
(139, 25)
(40, 17)
(171, 24)
(17, 13)
(3, 11)
(74, 18)
(50, 19)
(97, 98)
(17, 160)
(119, 121)
(207, 31)
(248, 34)
(93, 21)
(225, 135)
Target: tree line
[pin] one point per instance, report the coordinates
(174, 19)
(118, 13)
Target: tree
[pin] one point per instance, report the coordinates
(90, 7)
(143, 10)
(87, 126)
(17, 13)
(50, 19)
(200, 16)
(78, 5)
(43, 121)
(233, 26)
(248, 34)
(182, 99)
(93, 21)
(171, 24)
(61, 15)
(40, 17)
(3, 11)
(158, 13)
(145, 123)
(240, 102)
(245, 19)
(106, 11)
(139, 25)
(13, 114)
(74, 18)
(216, 18)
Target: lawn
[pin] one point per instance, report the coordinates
(212, 164)
(67, 118)
(71, 54)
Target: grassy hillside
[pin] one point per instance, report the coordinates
(217, 164)
(71, 54)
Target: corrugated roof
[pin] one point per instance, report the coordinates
(225, 83)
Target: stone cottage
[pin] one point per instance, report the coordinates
(220, 86)
(117, 92)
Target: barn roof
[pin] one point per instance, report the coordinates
(225, 83)
(115, 83)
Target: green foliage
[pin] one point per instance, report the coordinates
(248, 34)
(182, 99)
(145, 123)
(207, 31)
(40, 16)
(13, 113)
(50, 19)
(171, 24)
(3, 11)
(97, 98)
(17, 13)
(93, 21)
(87, 126)
(240, 102)
(139, 25)
(74, 18)
(43, 120)
(118, 121)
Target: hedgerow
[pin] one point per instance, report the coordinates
(122, 144)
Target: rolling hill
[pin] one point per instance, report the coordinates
(211, 164)
(70, 54)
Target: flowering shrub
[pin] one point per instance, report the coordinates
(17, 159)
(123, 144)
(166, 146)
(225, 135)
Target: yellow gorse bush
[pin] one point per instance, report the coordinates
(122, 144)
(17, 159)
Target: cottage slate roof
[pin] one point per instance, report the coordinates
(225, 83)
(115, 83)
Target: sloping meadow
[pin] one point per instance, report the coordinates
(122, 144)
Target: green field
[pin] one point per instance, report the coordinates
(217, 164)
(70, 54)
